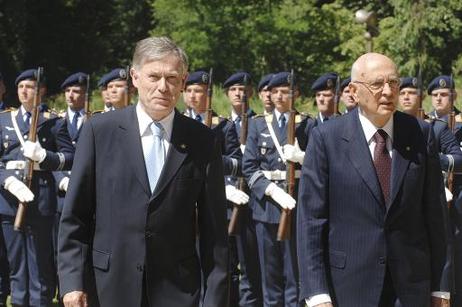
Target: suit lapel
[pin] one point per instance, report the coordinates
(179, 145)
(400, 156)
(360, 157)
(130, 140)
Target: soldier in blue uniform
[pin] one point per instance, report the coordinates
(346, 97)
(265, 94)
(440, 90)
(30, 252)
(102, 85)
(4, 269)
(264, 168)
(116, 85)
(245, 269)
(324, 89)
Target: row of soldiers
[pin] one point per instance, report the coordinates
(264, 270)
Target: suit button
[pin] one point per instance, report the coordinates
(139, 267)
(382, 260)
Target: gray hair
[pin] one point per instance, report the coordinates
(157, 48)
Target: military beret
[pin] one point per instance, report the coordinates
(440, 82)
(408, 82)
(280, 79)
(197, 77)
(345, 83)
(325, 82)
(115, 74)
(264, 81)
(29, 74)
(78, 78)
(237, 78)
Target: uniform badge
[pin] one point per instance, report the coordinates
(5, 144)
(330, 83)
(263, 150)
(414, 82)
(183, 146)
(205, 78)
(9, 128)
(122, 74)
(265, 135)
(442, 83)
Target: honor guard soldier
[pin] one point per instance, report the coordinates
(119, 88)
(30, 252)
(4, 270)
(245, 270)
(440, 90)
(102, 84)
(265, 94)
(265, 170)
(346, 97)
(324, 88)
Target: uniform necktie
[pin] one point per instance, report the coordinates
(156, 157)
(27, 119)
(75, 120)
(326, 119)
(237, 125)
(382, 163)
(282, 121)
(199, 118)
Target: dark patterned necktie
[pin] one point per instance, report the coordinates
(199, 118)
(382, 163)
(75, 120)
(27, 120)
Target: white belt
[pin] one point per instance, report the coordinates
(279, 175)
(20, 165)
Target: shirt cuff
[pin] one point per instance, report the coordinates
(442, 294)
(318, 299)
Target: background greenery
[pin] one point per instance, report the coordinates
(259, 36)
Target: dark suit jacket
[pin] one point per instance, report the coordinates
(347, 235)
(136, 233)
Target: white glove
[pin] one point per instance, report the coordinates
(293, 153)
(236, 196)
(448, 194)
(280, 196)
(18, 189)
(63, 184)
(34, 151)
(242, 148)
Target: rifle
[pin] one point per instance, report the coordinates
(127, 86)
(232, 226)
(87, 100)
(420, 112)
(337, 96)
(286, 217)
(29, 168)
(208, 103)
(452, 126)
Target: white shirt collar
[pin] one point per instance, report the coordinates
(70, 113)
(234, 115)
(194, 114)
(278, 114)
(370, 129)
(144, 120)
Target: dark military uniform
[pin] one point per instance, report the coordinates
(260, 165)
(30, 253)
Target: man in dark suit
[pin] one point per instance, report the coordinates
(371, 224)
(145, 178)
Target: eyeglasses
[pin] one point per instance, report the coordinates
(379, 84)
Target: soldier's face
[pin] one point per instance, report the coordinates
(195, 96)
(280, 96)
(159, 85)
(265, 96)
(409, 100)
(26, 91)
(75, 97)
(117, 93)
(325, 102)
(106, 97)
(441, 101)
(347, 99)
(235, 94)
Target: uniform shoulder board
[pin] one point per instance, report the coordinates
(458, 118)
(10, 109)
(48, 114)
(269, 118)
(215, 120)
(299, 118)
(97, 111)
(258, 116)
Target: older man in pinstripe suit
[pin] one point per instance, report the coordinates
(371, 219)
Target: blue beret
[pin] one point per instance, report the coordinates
(237, 78)
(264, 81)
(78, 78)
(280, 79)
(325, 82)
(440, 82)
(345, 83)
(117, 73)
(198, 77)
(408, 82)
(29, 74)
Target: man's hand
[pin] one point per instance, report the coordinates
(280, 196)
(18, 189)
(34, 151)
(439, 302)
(75, 299)
(236, 196)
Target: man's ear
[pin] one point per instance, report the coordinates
(134, 76)
(353, 91)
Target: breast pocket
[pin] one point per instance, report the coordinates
(265, 147)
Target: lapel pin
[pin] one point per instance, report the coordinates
(408, 148)
(183, 146)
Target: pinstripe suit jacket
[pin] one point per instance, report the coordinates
(347, 235)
